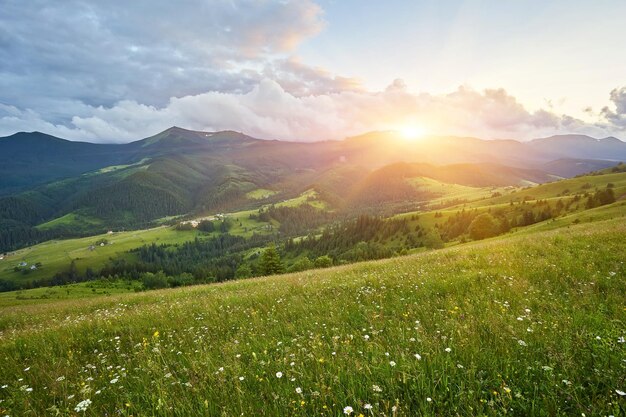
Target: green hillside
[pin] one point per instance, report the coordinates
(478, 329)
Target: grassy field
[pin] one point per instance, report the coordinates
(56, 255)
(527, 325)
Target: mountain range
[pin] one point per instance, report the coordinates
(90, 187)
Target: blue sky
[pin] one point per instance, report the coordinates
(567, 52)
(313, 69)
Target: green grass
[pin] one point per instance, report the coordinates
(56, 255)
(524, 325)
(73, 220)
(260, 194)
(67, 292)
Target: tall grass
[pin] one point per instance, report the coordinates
(526, 325)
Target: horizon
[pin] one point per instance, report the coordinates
(397, 133)
(300, 71)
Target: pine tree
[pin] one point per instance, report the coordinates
(270, 262)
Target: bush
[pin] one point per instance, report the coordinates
(483, 226)
(323, 262)
(152, 281)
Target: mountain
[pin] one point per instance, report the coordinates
(54, 188)
(28, 159)
(581, 147)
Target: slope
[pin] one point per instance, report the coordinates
(523, 326)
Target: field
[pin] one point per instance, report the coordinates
(527, 325)
(56, 255)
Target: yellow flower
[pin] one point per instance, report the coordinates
(156, 334)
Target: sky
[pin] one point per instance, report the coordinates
(307, 70)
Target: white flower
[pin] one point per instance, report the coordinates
(366, 337)
(392, 363)
(241, 378)
(61, 378)
(448, 350)
(429, 399)
(520, 319)
(114, 380)
(279, 374)
(27, 369)
(418, 356)
(521, 343)
(368, 406)
(621, 339)
(394, 409)
(458, 365)
(348, 410)
(298, 390)
(82, 406)
(620, 392)
(221, 369)
(376, 388)
(69, 397)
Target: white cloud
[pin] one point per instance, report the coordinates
(269, 111)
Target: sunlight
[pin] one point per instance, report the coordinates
(411, 132)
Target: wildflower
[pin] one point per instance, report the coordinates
(392, 363)
(376, 388)
(429, 399)
(114, 380)
(394, 409)
(347, 410)
(418, 356)
(27, 369)
(566, 382)
(507, 390)
(279, 374)
(620, 392)
(298, 390)
(82, 406)
(448, 350)
(458, 365)
(521, 343)
(366, 337)
(241, 378)
(621, 339)
(61, 378)
(368, 406)
(156, 334)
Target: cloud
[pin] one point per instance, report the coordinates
(99, 53)
(617, 117)
(268, 110)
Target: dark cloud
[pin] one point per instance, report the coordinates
(100, 53)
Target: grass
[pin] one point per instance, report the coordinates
(56, 255)
(67, 292)
(525, 325)
(71, 220)
(260, 194)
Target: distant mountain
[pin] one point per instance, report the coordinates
(93, 187)
(571, 167)
(28, 159)
(581, 147)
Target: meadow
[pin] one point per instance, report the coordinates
(527, 324)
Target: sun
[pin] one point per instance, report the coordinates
(411, 132)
